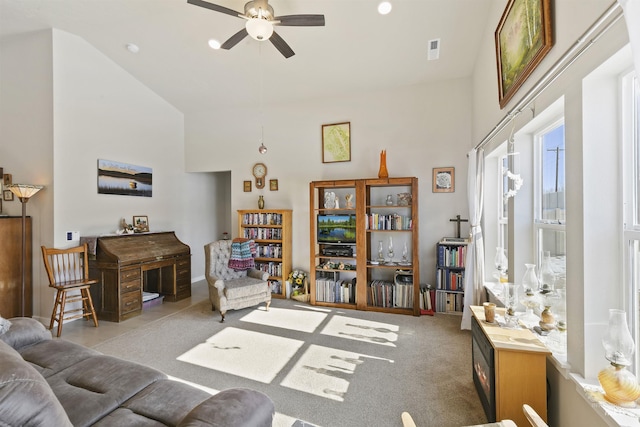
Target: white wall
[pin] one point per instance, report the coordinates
(26, 135)
(421, 127)
(97, 111)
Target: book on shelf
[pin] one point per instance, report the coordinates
(454, 240)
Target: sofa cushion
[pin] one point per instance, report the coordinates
(244, 287)
(25, 396)
(53, 356)
(93, 387)
(232, 407)
(25, 331)
(165, 402)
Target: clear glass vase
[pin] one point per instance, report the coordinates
(547, 275)
(529, 299)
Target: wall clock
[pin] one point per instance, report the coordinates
(259, 172)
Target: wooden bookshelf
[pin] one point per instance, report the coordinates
(271, 230)
(346, 272)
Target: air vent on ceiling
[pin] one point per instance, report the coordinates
(434, 49)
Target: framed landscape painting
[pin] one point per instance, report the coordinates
(124, 179)
(523, 38)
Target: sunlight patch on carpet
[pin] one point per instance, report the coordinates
(247, 354)
(362, 330)
(297, 320)
(324, 372)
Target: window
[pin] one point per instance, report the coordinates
(549, 208)
(631, 183)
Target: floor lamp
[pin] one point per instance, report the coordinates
(24, 192)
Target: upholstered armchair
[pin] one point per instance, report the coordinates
(231, 289)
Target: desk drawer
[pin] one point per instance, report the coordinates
(130, 286)
(130, 275)
(131, 301)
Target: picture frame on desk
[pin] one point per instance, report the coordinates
(141, 223)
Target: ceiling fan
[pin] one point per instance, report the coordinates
(260, 21)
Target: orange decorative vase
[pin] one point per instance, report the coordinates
(383, 172)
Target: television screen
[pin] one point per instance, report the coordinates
(336, 228)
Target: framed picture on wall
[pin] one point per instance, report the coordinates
(273, 184)
(247, 186)
(444, 180)
(336, 142)
(7, 195)
(523, 38)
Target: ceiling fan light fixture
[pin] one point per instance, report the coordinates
(384, 8)
(214, 44)
(259, 29)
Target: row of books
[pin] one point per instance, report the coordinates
(375, 221)
(390, 295)
(263, 233)
(336, 291)
(269, 251)
(446, 302)
(450, 280)
(273, 268)
(427, 299)
(259, 218)
(451, 256)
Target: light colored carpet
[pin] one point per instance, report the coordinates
(321, 366)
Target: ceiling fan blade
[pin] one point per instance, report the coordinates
(215, 7)
(300, 20)
(235, 39)
(281, 45)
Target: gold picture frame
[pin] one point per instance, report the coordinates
(444, 180)
(246, 185)
(273, 184)
(523, 38)
(336, 142)
(7, 179)
(141, 223)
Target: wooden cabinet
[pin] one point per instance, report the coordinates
(126, 266)
(271, 230)
(11, 268)
(509, 369)
(364, 244)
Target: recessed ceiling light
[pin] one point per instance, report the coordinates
(133, 48)
(214, 44)
(384, 8)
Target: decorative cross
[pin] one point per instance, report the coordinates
(458, 220)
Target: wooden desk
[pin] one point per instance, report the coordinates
(127, 265)
(518, 374)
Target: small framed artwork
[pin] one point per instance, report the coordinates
(7, 179)
(7, 195)
(444, 180)
(523, 38)
(336, 142)
(247, 186)
(273, 184)
(141, 223)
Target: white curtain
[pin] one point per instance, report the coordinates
(631, 10)
(474, 265)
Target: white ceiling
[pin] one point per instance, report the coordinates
(357, 50)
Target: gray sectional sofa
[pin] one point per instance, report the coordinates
(53, 382)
